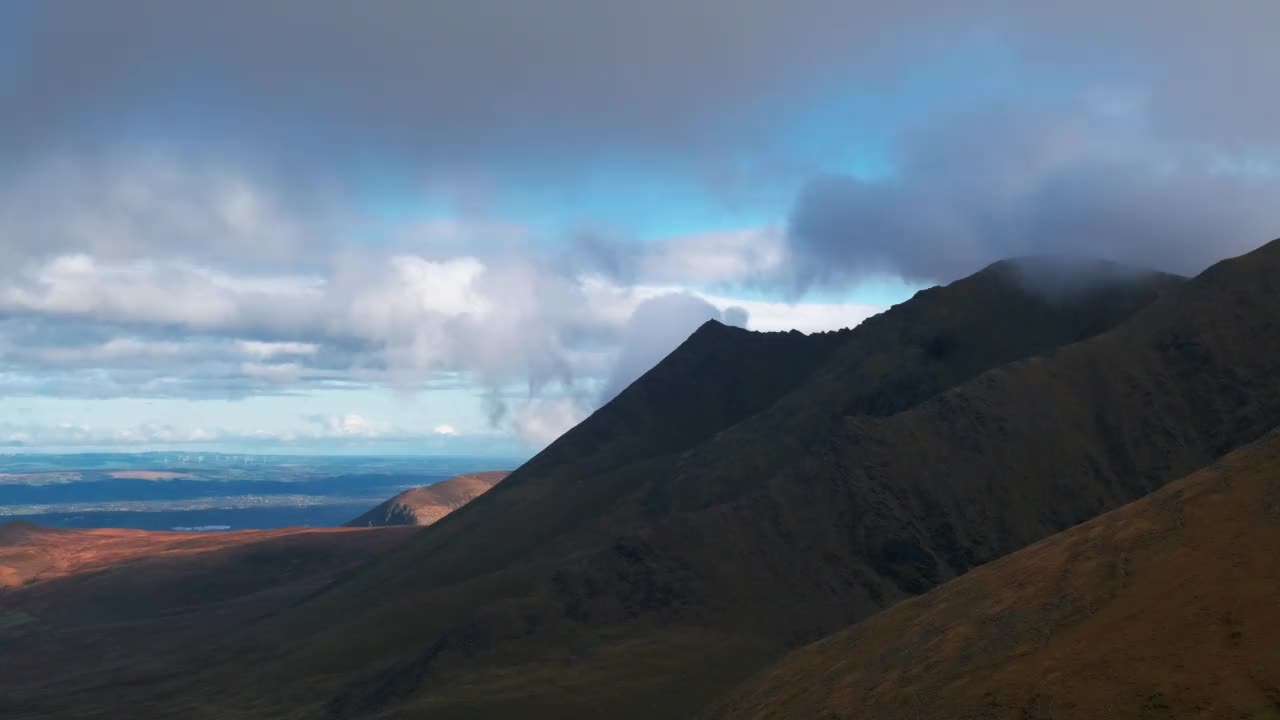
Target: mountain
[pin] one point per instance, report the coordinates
(426, 505)
(652, 587)
(592, 581)
(755, 492)
(1163, 608)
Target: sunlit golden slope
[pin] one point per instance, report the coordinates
(427, 504)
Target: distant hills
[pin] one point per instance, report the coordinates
(427, 504)
(756, 492)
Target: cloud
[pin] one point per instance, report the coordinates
(808, 317)
(456, 79)
(320, 196)
(573, 342)
(122, 203)
(83, 435)
(319, 433)
(273, 373)
(541, 420)
(351, 425)
(443, 89)
(1072, 179)
(719, 257)
(175, 292)
(445, 78)
(171, 328)
(268, 350)
(412, 314)
(169, 309)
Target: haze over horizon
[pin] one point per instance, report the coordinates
(461, 226)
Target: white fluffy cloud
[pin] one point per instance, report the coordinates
(318, 432)
(715, 257)
(177, 292)
(150, 204)
(268, 350)
(98, 301)
(146, 327)
(85, 435)
(276, 373)
(541, 421)
(352, 425)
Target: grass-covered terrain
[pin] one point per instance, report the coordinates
(1163, 608)
(429, 503)
(95, 610)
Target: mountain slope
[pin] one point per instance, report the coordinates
(725, 378)
(21, 552)
(96, 610)
(426, 505)
(1163, 608)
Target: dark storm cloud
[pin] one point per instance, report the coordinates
(1074, 179)
(439, 76)
(330, 85)
(461, 75)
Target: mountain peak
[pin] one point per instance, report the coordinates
(1064, 276)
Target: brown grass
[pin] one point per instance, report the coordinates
(426, 505)
(106, 610)
(1165, 608)
(31, 553)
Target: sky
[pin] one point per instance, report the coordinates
(458, 227)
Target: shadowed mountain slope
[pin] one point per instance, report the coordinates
(1164, 608)
(142, 573)
(427, 504)
(100, 609)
